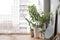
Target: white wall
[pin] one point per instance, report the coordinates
(54, 4)
(39, 4)
(9, 11)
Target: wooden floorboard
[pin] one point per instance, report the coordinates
(17, 37)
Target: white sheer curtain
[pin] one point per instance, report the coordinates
(9, 15)
(9, 10)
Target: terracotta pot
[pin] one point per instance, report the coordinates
(32, 32)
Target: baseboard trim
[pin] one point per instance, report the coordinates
(14, 33)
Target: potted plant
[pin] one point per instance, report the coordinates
(44, 21)
(35, 16)
(38, 20)
(31, 30)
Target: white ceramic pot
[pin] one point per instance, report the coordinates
(36, 32)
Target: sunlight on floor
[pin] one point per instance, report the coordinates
(16, 37)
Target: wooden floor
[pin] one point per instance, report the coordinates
(17, 37)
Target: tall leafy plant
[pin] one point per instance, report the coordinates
(46, 18)
(44, 21)
(35, 16)
(33, 13)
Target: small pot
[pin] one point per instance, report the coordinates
(32, 32)
(36, 32)
(41, 35)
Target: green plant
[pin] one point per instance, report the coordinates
(30, 22)
(42, 18)
(35, 16)
(33, 13)
(46, 18)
